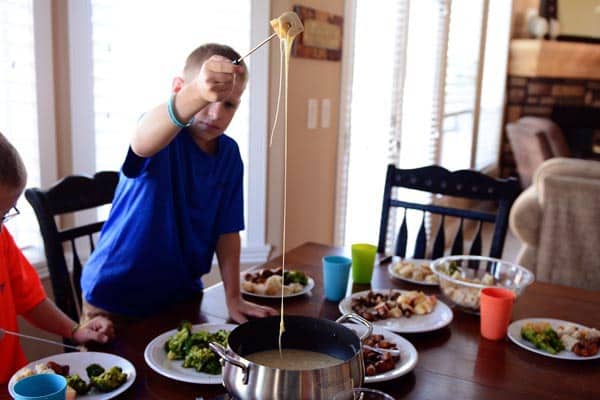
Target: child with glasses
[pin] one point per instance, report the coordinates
(178, 202)
(21, 291)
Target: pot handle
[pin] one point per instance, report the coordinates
(360, 320)
(222, 352)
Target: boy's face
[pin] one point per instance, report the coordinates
(8, 199)
(213, 120)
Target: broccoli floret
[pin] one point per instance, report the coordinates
(78, 384)
(94, 370)
(109, 380)
(200, 339)
(177, 344)
(203, 360)
(546, 339)
(295, 277)
(220, 337)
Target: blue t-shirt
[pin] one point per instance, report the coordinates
(166, 216)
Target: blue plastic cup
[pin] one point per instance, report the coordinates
(335, 276)
(41, 387)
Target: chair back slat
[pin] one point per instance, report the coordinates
(92, 245)
(421, 244)
(467, 184)
(457, 245)
(76, 276)
(402, 239)
(440, 241)
(476, 246)
(71, 194)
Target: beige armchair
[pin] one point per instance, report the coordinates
(558, 221)
(534, 140)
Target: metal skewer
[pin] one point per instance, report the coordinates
(78, 348)
(239, 60)
(380, 350)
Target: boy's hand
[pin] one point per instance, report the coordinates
(217, 78)
(239, 308)
(98, 329)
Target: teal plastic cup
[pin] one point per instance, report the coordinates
(41, 387)
(363, 259)
(335, 276)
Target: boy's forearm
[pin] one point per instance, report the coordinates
(49, 317)
(228, 254)
(155, 129)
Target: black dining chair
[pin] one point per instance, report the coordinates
(468, 184)
(71, 194)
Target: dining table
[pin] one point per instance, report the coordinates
(454, 362)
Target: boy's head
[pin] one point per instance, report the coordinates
(194, 61)
(13, 175)
(212, 120)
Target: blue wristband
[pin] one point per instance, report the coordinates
(172, 116)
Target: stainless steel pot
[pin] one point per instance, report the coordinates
(247, 380)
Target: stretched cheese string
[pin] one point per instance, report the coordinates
(287, 27)
(281, 61)
(288, 50)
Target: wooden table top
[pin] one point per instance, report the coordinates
(454, 362)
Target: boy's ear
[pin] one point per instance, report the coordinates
(177, 84)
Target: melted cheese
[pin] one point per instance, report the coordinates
(287, 27)
(294, 360)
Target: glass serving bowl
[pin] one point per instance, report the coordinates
(462, 278)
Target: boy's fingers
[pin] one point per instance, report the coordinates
(224, 65)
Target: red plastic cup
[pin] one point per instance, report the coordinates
(495, 309)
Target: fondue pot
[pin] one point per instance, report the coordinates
(247, 380)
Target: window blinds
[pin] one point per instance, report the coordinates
(493, 83)
(419, 111)
(18, 104)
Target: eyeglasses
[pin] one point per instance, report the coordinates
(10, 214)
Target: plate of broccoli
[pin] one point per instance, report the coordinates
(183, 354)
(552, 337)
(90, 375)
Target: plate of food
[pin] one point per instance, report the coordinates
(402, 311)
(90, 375)
(266, 283)
(381, 365)
(183, 354)
(556, 338)
(413, 271)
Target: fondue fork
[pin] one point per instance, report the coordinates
(78, 348)
(380, 350)
(239, 60)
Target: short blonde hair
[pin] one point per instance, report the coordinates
(12, 170)
(197, 57)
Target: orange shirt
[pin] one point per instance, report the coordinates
(20, 291)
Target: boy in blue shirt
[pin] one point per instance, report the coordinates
(179, 200)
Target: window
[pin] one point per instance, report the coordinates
(435, 98)
(26, 101)
(133, 58)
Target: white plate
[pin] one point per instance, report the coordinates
(440, 316)
(514, 334)
(394, 274)
(408, 354)
(310, 284)
(157, 359)
(78, 362)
